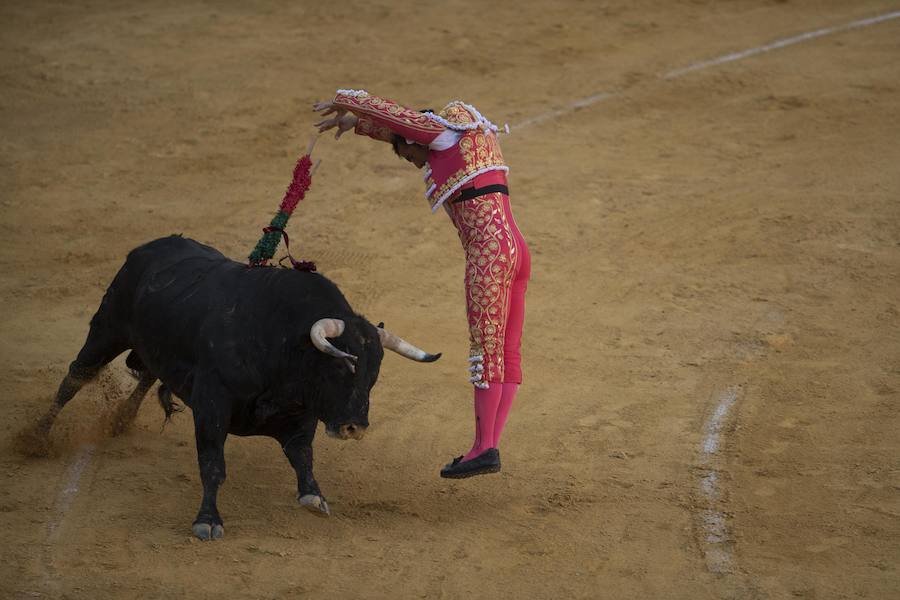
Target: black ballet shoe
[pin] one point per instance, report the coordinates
(486, 462)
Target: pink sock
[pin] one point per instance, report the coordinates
(486, 403)
(506, 402)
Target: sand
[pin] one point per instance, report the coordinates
(711, 352)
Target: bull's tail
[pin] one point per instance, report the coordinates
(163, 394)
(169, 406)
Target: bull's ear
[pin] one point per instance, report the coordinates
(381, 325)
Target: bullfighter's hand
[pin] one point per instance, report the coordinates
(343, 120)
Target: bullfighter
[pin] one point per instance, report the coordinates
(466, 176)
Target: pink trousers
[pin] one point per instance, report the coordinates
(498, 266)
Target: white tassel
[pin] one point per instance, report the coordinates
(477, 367)
(353, 93)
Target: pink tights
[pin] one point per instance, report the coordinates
(491, 409)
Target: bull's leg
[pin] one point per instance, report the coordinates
(76, 378)
(128, 410)
(83, 369)
(102, 345)
(210, 429)
(297, 445)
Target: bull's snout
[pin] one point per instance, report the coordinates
(352, 431)
(349, 431)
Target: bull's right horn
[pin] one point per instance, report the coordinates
(404, 348)
(328, 328)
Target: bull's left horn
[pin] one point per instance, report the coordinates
(404, 348)
(328, 328)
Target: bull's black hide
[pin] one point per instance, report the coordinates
(234, 344)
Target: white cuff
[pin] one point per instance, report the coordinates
(447, 139)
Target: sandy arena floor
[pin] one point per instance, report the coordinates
(712, 347)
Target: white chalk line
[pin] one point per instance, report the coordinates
(783, 43)
(716, 541)
(63, 503)
(726, 58)
(571, 107)
(713, 427)
(67, 494)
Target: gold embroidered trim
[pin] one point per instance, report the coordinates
(367, 126)
(389, 111)
(480, 152)
(491, 258)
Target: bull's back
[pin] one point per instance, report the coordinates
(157, 297)
(176, 275)
(189, 307)
(166, 252)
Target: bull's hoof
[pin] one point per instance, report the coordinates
(120, 425)
(33, 441)
(207, 531)
(122, 420)
(315, 504)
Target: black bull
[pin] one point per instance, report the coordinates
(245, 348)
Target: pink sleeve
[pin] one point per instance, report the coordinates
(379, 114)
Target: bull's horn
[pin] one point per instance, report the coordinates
(328, 328)
(404, 348)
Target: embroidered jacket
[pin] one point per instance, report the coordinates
(462, 143)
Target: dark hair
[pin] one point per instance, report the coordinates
(396, 139)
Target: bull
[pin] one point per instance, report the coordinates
(252, 351)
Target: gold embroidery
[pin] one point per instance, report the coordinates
(389, 111)
(479, 151)
(456, 113)
(490, 260)
(366, 126)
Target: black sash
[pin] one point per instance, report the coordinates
(469, 193)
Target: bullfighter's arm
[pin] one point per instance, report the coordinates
(366, 125)
(380, 118)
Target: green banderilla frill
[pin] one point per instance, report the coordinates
(268, 243)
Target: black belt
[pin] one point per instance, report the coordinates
(469, 193)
